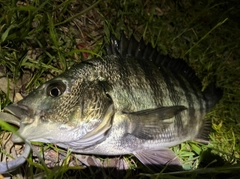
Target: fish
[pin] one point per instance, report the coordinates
(134, 100)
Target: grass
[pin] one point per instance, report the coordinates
(40, 39)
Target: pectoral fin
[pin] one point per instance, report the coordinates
(148, 123)
(157, 160)
(160, 113)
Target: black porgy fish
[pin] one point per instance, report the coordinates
(132, 101)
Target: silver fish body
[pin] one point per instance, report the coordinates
(132, 101)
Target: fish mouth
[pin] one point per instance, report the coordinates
(16, 114)
(18, 111)
(13, 114)
(27, 119)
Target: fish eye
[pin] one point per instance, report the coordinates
(56, 89)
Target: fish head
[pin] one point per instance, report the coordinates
(63, 110)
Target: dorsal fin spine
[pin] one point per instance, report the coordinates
(141, 51)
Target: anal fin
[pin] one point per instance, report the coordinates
(157, 160)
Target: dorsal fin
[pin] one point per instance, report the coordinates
(203, 134)
(132, 48)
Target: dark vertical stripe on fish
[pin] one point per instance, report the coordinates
(150, 77)
(199, 98)
(186, 90)
(174, 97)
(124, 72)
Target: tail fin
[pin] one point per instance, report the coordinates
(212, 95)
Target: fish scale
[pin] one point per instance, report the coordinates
(134, 101)
(174, 100)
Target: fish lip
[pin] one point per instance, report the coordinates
(19, 111)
